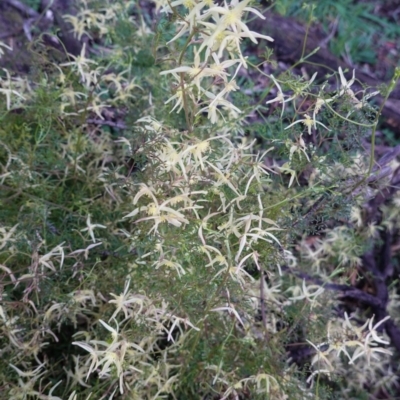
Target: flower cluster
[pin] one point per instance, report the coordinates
(365, 340)
(155, 259)
(218, 30)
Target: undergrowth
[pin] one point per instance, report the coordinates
(150, 248)
(351, 26)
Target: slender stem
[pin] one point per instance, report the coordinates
(392, 85)
(185, 105)
(262, 303)
(352, 121)
(182, 83)
(306, 34)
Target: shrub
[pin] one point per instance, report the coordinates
(150, 246)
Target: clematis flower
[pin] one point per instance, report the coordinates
(90, 228)
(232, 16)
(309, 293)
(280, 98)
(345, 88)
(180, 93)
(197, 72)
(229, 28)
(308, 122)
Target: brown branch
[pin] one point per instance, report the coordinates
(378, 303)
(348, 291)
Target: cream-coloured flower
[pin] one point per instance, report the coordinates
(180, 91)
(297, 147)
(6, 89)
(321, 357)
(93, 356)
(212, 109)
(345, 84)
(124, 302)
(308, 122)
(309, 293)
(229, 28)
(218, 68)
(232, 16)
(280, 98)
(196, 73)
(90, 228)
(81, 64)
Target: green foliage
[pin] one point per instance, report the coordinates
(35, 4)
(354, 26)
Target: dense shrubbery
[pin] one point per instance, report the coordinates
(149, 253)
